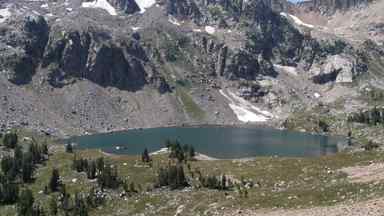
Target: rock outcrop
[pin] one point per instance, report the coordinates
(341, 69)
(127, 6)
(96, 56)
(22, 45)
(328, 7)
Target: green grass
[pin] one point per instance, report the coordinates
(192, 109)
(305, 182)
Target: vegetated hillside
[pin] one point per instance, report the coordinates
(74, 67)
(42, 177)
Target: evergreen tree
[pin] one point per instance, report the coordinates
(132, 188)
(223, 182)
(100, 164)
(45, 148)
(108, 178)
(10, 192)
(25, 203)
(18, 155)
(94, 199)
(91, 172)
(54, 182)
(27, 168)
(38, 211)
(53, 208)
(7, 163)
(172, 176)
(145, 156)
(10, 140)
(65, 200)
(69, 148)
(191, 152)
(36, 153)
(80, 207)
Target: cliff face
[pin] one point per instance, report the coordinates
(127, 6)
(331, 6)
(22, 46)
(184, 49)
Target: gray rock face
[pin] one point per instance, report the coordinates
(22, 47)
(331, 6)
(95, 56)
(337, 68)
(15, 63)
(127, 6)
(183, 9)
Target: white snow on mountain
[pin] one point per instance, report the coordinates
(4, 14)
(144, 4)
(296, 20)
(210, 29)
(245, 110)
(103, 4)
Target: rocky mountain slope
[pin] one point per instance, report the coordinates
(73, 67)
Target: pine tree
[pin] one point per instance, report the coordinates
(45, 148)
(223, 182)
(191, 152)
(25, 203)
(54, 182)
(100, 164)
(132, 188)
(172, 176)
(10, 140)
(18, 155)
(69, 148)
(145, 156)
(80, 207)
(53, 208)
(27, 168)
(7, 163)
(180, 176)
(108, 178)
(91, 172)
(10, 192)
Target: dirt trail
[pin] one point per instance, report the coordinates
(366, 208)
(357, 174)
(363, 174)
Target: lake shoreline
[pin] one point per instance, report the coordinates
(245, 125)
(215, 142)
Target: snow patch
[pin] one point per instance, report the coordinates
(161, 151)
(135, 28)
(103, 4)
(4, 14)
(244, 110)
(210, 29)
(288, 69)
(173, 20)
(296, 20)
(44, 6)
(144, 4)
(317, 95)
(196, 30)
(69, 9)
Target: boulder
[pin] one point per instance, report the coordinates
(336, 68)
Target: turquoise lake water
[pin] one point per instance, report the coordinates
(218, 142)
